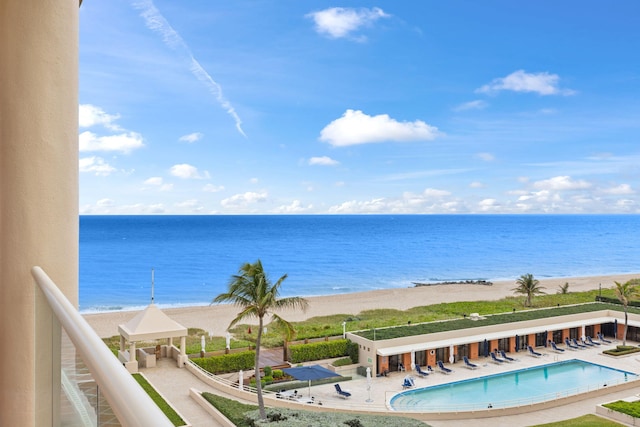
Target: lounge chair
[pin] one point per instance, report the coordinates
(287, 394)
(603, 339)
(577, 344)
(569, 345)
(443, 368)
(555, 348)
(505, 357)
(430, 369)
(401, 367)
(586, 343)
(591, 341)
(408, 383)
(532, 352)
(469, 364)
(421, 372)
(495, 359)
(341, 392)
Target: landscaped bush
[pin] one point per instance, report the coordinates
(278, 374)
(629, 408)
(281, 417)
(622, 350)
(353, 351)
(231, 409)
(226, 362)
(342, 362)
(316, 351)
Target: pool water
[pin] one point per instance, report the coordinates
(514, 388)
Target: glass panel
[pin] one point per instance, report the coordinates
(81, 403)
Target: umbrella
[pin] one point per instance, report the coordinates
(240, 380)
(369, 383)
(202, 343)
(309, 373)
(228, 340)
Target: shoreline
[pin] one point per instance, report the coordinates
(215, 318)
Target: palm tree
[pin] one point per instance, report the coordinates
(624, 292)
(252, 291)
(529, 286)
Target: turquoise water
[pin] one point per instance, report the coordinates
(515, 388)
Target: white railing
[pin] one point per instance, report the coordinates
(129, 402)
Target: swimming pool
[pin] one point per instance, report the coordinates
(514, 388)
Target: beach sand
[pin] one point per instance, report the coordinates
(216, 318)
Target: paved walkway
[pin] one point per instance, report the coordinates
(174, 384)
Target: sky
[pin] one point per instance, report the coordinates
(357, 107)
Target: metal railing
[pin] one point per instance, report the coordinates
(129, 402)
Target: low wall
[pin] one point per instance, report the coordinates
(196, 395)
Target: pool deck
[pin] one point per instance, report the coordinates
(174, 384)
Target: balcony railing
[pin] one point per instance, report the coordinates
(105, 378)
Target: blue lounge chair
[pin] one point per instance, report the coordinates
(586, 343)
(577, 344)
(408, 383)
(496, 359)
(443, 368)
(569, 345)
(505, 357)
(555, 348)
(602, 339)
(532, 352)
(469, 364)
(430, 369)
(591, 341)
(341, 392)
(421, 372)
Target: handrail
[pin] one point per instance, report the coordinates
(129, 402)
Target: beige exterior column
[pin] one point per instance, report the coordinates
(38, 198)
(132, 351)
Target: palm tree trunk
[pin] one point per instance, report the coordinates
(263, 414)
(626, 325)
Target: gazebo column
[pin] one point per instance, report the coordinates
(170, 343)
(182, 357)
(121, 343)
(132, 351)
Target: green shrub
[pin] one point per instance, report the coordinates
(317, 351)
(224, 363)
(232, 409)
(277, 374)
(353, 351)
(622, 350)
(268, 372)
(342, 362)
(629, 408)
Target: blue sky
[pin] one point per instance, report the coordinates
(315, 107)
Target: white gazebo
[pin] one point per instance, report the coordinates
(151, 324)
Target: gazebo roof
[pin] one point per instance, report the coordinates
(151, 324)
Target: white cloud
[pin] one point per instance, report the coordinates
(123, 143)
(192, 206)
(488, 205)
(191, 138)
(95, 165)
(254, 180)
(521, 81)
(323, 161)
(355, 127)
(476, 184)
(559, 183)
(156, 22)
(620, 189)
(104, 203)
(91, 115)
(210, 188)
(338, 22)
(156, 180)
(292, 208)
(244, 199)
(186, 171)
(487, 157)
(472, 105)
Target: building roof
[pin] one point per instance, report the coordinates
(151, 324)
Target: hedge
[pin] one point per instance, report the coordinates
(629, 408)
(224, 363)
(299, 353)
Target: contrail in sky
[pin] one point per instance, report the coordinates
(156, 22)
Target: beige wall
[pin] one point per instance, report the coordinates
(38, 195)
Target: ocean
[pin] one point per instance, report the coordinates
(194, 257)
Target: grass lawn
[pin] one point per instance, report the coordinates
(162, 404)
(584, 421)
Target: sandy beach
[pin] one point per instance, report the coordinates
(215, 318)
